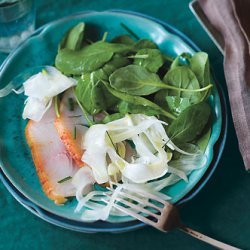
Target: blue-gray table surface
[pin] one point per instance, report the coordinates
(221, 209)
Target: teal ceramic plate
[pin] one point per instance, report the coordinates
(40, 49)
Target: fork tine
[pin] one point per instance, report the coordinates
(143, 193)
(105, 201)
(149, 195)
(135, 215)
(140, 201)
(137, 207)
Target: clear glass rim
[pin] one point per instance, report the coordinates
(17, 9)
(13, 5)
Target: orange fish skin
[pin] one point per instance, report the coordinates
(47, 186)
(70, 143)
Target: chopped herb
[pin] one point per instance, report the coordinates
(86, 114)
(83, 125)
(56, 106)
(116, 149)
(129, 31)
(65, 179)
(163, 146)
(71, 104)
(74, 116)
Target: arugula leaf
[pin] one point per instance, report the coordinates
(89, 93)
(177, 104)
(132, 108)
(153, 62)
(112, 117)
(174, 104)
(199, 64)
(160, 98)
(116, 62)
(89, 58)
(183, 77)
(190, 123)
(124, 39)
(137, 100)
(73, 38)
(135, 80)
(202, 142)
(145, 44)
(108, 100)
(103, 74)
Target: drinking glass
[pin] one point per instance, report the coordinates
(17, 22)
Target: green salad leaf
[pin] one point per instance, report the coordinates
(89, 93)
(199, 64)
(152, 62)
(133, 76)
(133, 108)
(115, 63)
(89, 58)
(138, 101)
(174, 104)
(145, 44)
(135, 80)
(124, 39)
(190, 123)
(73, 38)
(90, 90)
(112, 117)
(183, 77)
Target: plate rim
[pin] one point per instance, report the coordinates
(170, 29)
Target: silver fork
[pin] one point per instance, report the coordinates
(158, 213)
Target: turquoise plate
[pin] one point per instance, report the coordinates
(40, 49)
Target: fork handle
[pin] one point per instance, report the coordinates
(207, 239)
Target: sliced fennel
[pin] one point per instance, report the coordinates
(149, 161)
(140, 169)
(41, 88)
(106, 201)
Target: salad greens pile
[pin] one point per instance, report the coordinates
(127, 75)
